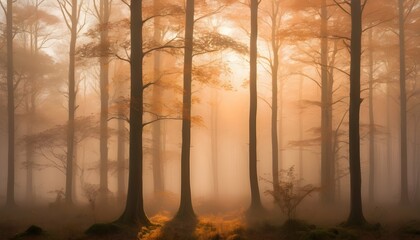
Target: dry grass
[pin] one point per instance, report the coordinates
(61, 224)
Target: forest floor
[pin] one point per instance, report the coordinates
(319, 224)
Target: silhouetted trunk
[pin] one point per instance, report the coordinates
(157, 157)
(327, 173)
(134, 209)
(275, 46)
(185, 210)
(71, 103)
(29, 145)
(104, 89)
(10, 199)
(371, 125)
(214, 142)
(356, 213)
(121, 154)
(300, 129)
(403, 107)
(253, 173)
(389, 153)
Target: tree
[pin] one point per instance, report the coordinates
(403, 105)
(356, 213)
(371, 122)
(103, 14)
(134, 208)
(71, 17)
(34, 25)
(158, 181)
(10, 201)
(256, 205)
(185, 210)
(327, 160)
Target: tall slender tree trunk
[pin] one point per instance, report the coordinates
(274, 94)
(121, 154)
(356, 213)
(403, 107)
(214, 142)
(389, 155)
(300, 129)
(371, 125)
(157, 156)
(327, 175)
(29, 146)
(185, 210)
(104, 89)
(10, 199)
(71, 104)
(31, 109)
(134, 209)
(256, 205)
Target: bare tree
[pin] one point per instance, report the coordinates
(71, 11)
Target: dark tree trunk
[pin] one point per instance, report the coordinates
(256, 205)
(71, 104)
(10, 199)
(356, 213)
(104, 89)
(403, 107)
(327, 173)
(134, 209)
(371, 125)
(185, 210)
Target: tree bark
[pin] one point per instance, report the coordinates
(356, 213)
(256, 205)
(185, 210)
(134, 209)
(10, 199)
(403, 107)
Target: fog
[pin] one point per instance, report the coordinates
(102, 127)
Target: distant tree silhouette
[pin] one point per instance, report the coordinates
(10, 199)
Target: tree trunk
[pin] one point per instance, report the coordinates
(256, 205)
(300, 130)
(327, 175)
(157, 157)
(10, 199)
(403, 107)
(185, 209)
(275, 46)
(121, 154)
(356, 213)
(371, 125)
(134, 209)
(104, 89)
(214, 142)
(71, 104)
